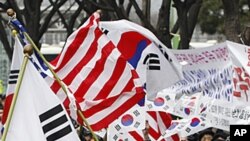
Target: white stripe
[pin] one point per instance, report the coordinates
(11, 89)
(109, 67)
(161, 124)
(81, 52)
(69, 42)
(152, 123)
(122, 82)
(89, 66)
(107, 111)
(61, 95)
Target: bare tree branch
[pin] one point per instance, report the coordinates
(45, 9)
(231, 10)
(55, 20)
(176, 26)
(73, 19)
(142, 17)
(61, 15)
(101, 6)
(163, 23)
(182, 8)
(120, 12)
(47, 20)
(193, 17)
(4, 40)
(128, 9)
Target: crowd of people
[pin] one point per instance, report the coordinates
(210, 134)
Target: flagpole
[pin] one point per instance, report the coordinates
(27, 52)
(9, 12)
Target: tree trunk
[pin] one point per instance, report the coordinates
(182, 8)
(32, 12)
(193, 16)
(183, 25)
(142, 17)
(245, 36)
(163, 23)
(184, 44)
(146, 5)
(4, 40)
(232, 25)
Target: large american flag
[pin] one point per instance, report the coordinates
(102, 82)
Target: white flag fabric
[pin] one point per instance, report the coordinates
(38, 114)
(14, 72)
(13, 76)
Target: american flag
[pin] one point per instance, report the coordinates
(102, 82)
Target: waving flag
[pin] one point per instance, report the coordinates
(13, 76)
(38, 114)
(14, 71)
(103, 83)
(145, 53)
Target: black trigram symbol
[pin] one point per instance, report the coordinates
(13, 76)
(105, 31)
(153, 61)
(55, 123)
(164, 53)
(118, 127)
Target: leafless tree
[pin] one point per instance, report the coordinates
(37, 20)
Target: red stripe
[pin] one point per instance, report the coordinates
(136, 136)
(95, 73)
(109, 101)
(134, 73)
(55, 61)
(154, 134)
(175, 137)
(66, 103)
(76, 43)
(116, 74)
(6, 108)
(90, 53)
(55, 87)
(166, 118)
(105, 121)
(152, 114)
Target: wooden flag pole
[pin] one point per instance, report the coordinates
(27, 52)
(53, 72)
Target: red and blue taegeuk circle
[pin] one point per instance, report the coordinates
(159, 101)
(187, 111)
(127, 120)
(195, 122)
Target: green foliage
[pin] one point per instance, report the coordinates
(211, 18)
